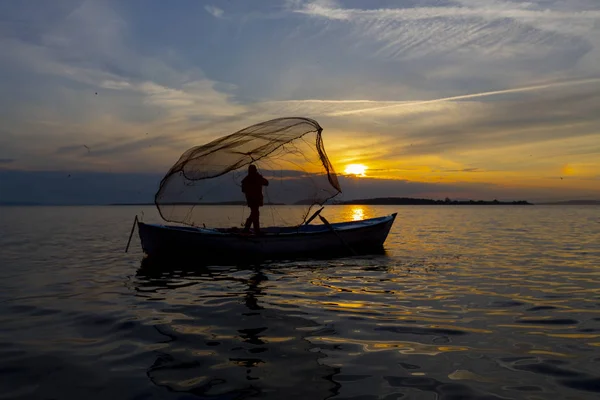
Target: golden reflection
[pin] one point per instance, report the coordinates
(573, 335)
(346, 305)
(277, 339)
(463, 374)
(528, 326)
(462, 328)
(203, 353)
(549, 353)
(190, 383)
(358, 214)
(402, 347)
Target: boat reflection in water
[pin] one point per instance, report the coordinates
(223, 340)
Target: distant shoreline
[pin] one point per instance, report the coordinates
(399, 201)
(379, 201)
(572, 203)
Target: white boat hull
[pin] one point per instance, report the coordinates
(276, 243)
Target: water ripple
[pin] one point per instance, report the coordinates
(473, 303)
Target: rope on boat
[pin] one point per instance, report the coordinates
(338, 235)
(135, 221)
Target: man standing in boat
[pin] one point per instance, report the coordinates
(252, 187)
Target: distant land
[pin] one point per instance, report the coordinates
(572, 203)
(398, 201)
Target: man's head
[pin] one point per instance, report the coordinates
(252, 169)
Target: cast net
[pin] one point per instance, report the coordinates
(201, 188)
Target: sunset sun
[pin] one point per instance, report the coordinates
(355, 169)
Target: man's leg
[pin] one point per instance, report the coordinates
(248, 221)
(256, 220)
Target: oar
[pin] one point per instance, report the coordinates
(135, 220)
(338, 235)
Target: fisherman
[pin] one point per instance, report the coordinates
(252, 187)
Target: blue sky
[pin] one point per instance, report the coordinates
(495, 95)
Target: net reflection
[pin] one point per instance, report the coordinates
(223, 338)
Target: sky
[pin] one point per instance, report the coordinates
(473, 99)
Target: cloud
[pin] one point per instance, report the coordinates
(71, 149)
(506, 136)
(339, 108)
(7, 160)
(87, 84)
(120, 147)
(190, 98)
(116, 85)
(90, 48)
(486, 28)
(214, 11)
(464, 170)
(470, 96)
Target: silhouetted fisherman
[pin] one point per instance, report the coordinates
(252, 187)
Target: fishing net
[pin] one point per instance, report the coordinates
(206, 181)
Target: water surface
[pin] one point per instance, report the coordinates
(475, 302)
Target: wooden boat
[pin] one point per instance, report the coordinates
(345, 238)
(291, 149)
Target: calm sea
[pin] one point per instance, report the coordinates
(470, 302)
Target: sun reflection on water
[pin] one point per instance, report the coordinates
(358, 213)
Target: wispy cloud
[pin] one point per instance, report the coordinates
(469, 96)
(190, 98)
(115, 93)
(214, 11)
(484, 28)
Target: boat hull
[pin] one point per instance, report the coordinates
(342, 238)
